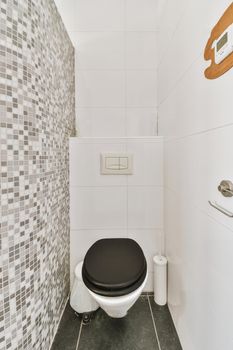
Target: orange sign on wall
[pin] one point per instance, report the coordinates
(216, 70)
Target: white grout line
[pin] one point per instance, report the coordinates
(107, 186)
(170, 40)
(198, 133)
(117, 70)
(79, 335)
(116, 107)
(152, 316)
(178, 81)
(125, 69)
(114, 31)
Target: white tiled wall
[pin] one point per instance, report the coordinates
(116, 206)
(195, 115)
(116, 65)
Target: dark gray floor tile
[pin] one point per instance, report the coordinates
(134, 332)
(67, 334)
(168, 337)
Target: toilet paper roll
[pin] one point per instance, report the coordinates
(160, 280)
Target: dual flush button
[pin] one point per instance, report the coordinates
(116, 164)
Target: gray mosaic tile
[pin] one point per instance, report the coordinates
(37, 113)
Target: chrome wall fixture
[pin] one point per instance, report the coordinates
(221, 209)
(226, 188)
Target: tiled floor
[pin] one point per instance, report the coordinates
(146, 327)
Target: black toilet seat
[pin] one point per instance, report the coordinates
(114, 267)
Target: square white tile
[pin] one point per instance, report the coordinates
(141, 121)
(171, 15)
(148, 163)
(141, 89)
(99, 50)
(103, 15)
(145, 207)
(100, 88)
(98, 207)
(101, 122)
(141, 50)
(142, 15)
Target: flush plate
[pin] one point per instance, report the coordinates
(116, 164)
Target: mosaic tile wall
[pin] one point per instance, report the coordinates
(37, 117)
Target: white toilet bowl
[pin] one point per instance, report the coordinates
(115, 273)
(117, 307)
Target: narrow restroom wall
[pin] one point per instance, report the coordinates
(37, 117)
(195, 116)
(116, 61)
(108, 206)
(116, 80)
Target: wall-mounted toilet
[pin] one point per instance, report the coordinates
(115, 273)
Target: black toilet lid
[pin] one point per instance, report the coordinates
(114, 267)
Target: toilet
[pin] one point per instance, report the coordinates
(115, 273)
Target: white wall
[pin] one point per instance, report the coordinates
(106, 206)
(116, 60)
(195, 115)
(116, 96)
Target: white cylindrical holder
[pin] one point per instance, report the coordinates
(160, 280)
(80, 299)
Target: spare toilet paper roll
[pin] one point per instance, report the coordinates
(160, 280)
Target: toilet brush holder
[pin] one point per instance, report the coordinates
(160, 280)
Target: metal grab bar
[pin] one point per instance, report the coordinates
(221, 209)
